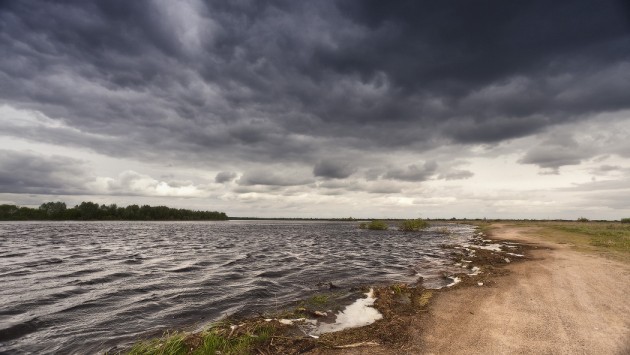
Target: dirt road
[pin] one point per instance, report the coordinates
(561, 302)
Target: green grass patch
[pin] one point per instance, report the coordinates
(413, 225)
(613, 236)
(611, 239)
(318, 300)
(169, 344)
(215, 340)
(483, 226)
(398, 289)
(374, 225)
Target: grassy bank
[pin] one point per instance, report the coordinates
(218, 339)
(611, 239)
(398, 303)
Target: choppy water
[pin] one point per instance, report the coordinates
(83, 287)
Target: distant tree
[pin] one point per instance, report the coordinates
(9, 212)
(94, 211)
(88, 210)
(53, 210)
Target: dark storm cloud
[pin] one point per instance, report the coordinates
(225, 176)
(558, 150)
(333, 169)
(272, 178)
(286, 80)
(22, 172)
(413, 172)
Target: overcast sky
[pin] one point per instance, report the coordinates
(498, 109)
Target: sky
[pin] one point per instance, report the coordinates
(331, 108)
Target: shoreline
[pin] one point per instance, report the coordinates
(481, 261)
(492, 269)
(558, 300)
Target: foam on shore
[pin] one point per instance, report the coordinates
(358, 314)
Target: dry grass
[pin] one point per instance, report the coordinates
(611, 239)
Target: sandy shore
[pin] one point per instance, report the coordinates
(560, 302)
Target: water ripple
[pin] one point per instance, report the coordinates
(84, 287)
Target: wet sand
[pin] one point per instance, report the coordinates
(560, 302)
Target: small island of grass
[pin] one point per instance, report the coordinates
(408, 225)
(413, 225)
(374, 225)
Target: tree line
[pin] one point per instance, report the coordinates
(94, 211)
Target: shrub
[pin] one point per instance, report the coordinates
(625, 220)
(413, 225)
(582, 219)
(377, 225)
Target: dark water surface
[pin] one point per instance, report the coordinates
(84, 287)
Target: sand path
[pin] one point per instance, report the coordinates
(561, 302)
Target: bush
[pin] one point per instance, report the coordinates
(413, 225)
(374, 225)
(582, 219)
(625, 220)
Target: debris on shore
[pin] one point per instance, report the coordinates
(381, 319)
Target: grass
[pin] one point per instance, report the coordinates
(611, 239)
(318, 300)
(215, 340)
(483, 226)
(611, 236)
(413, 225)
(398, 288)
(425, 298)
(169, 344)
(608, 238)
(374, 225)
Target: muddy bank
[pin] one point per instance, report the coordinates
(402, 308)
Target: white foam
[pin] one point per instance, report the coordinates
(493, 247)
(358, 314)
(475, 271)
(455, 279)
(290, 321)
(514, 254)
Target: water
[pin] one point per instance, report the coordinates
(84, 287)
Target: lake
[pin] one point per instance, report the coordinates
(84, 287)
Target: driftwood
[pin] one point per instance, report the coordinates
(356, 345)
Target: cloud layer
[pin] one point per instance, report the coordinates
(331, 96)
